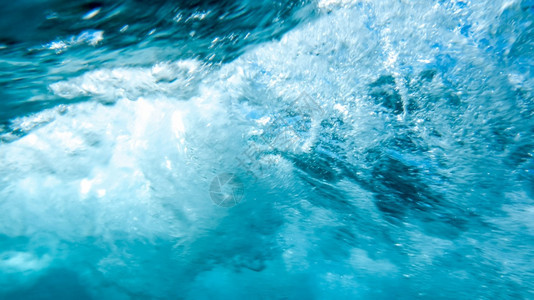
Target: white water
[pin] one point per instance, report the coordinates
(117, 188)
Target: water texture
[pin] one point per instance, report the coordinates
(330, 149)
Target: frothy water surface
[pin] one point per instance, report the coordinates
(332, 149)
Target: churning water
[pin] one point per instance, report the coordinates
(267, 149)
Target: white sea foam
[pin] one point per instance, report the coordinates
(128, 182)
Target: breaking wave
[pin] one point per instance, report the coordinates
(372, 149)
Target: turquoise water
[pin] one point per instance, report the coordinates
(329, 149)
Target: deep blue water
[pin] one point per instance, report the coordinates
(327, 149)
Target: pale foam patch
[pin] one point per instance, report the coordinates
(135, 170)
(140, 170)
(89, 37)
(331, 4)
(19, 268)
(177, 79)
(14, 262)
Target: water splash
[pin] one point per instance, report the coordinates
(411, 176)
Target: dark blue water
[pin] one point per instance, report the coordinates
(329, 149)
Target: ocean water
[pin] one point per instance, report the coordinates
(267, 149)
